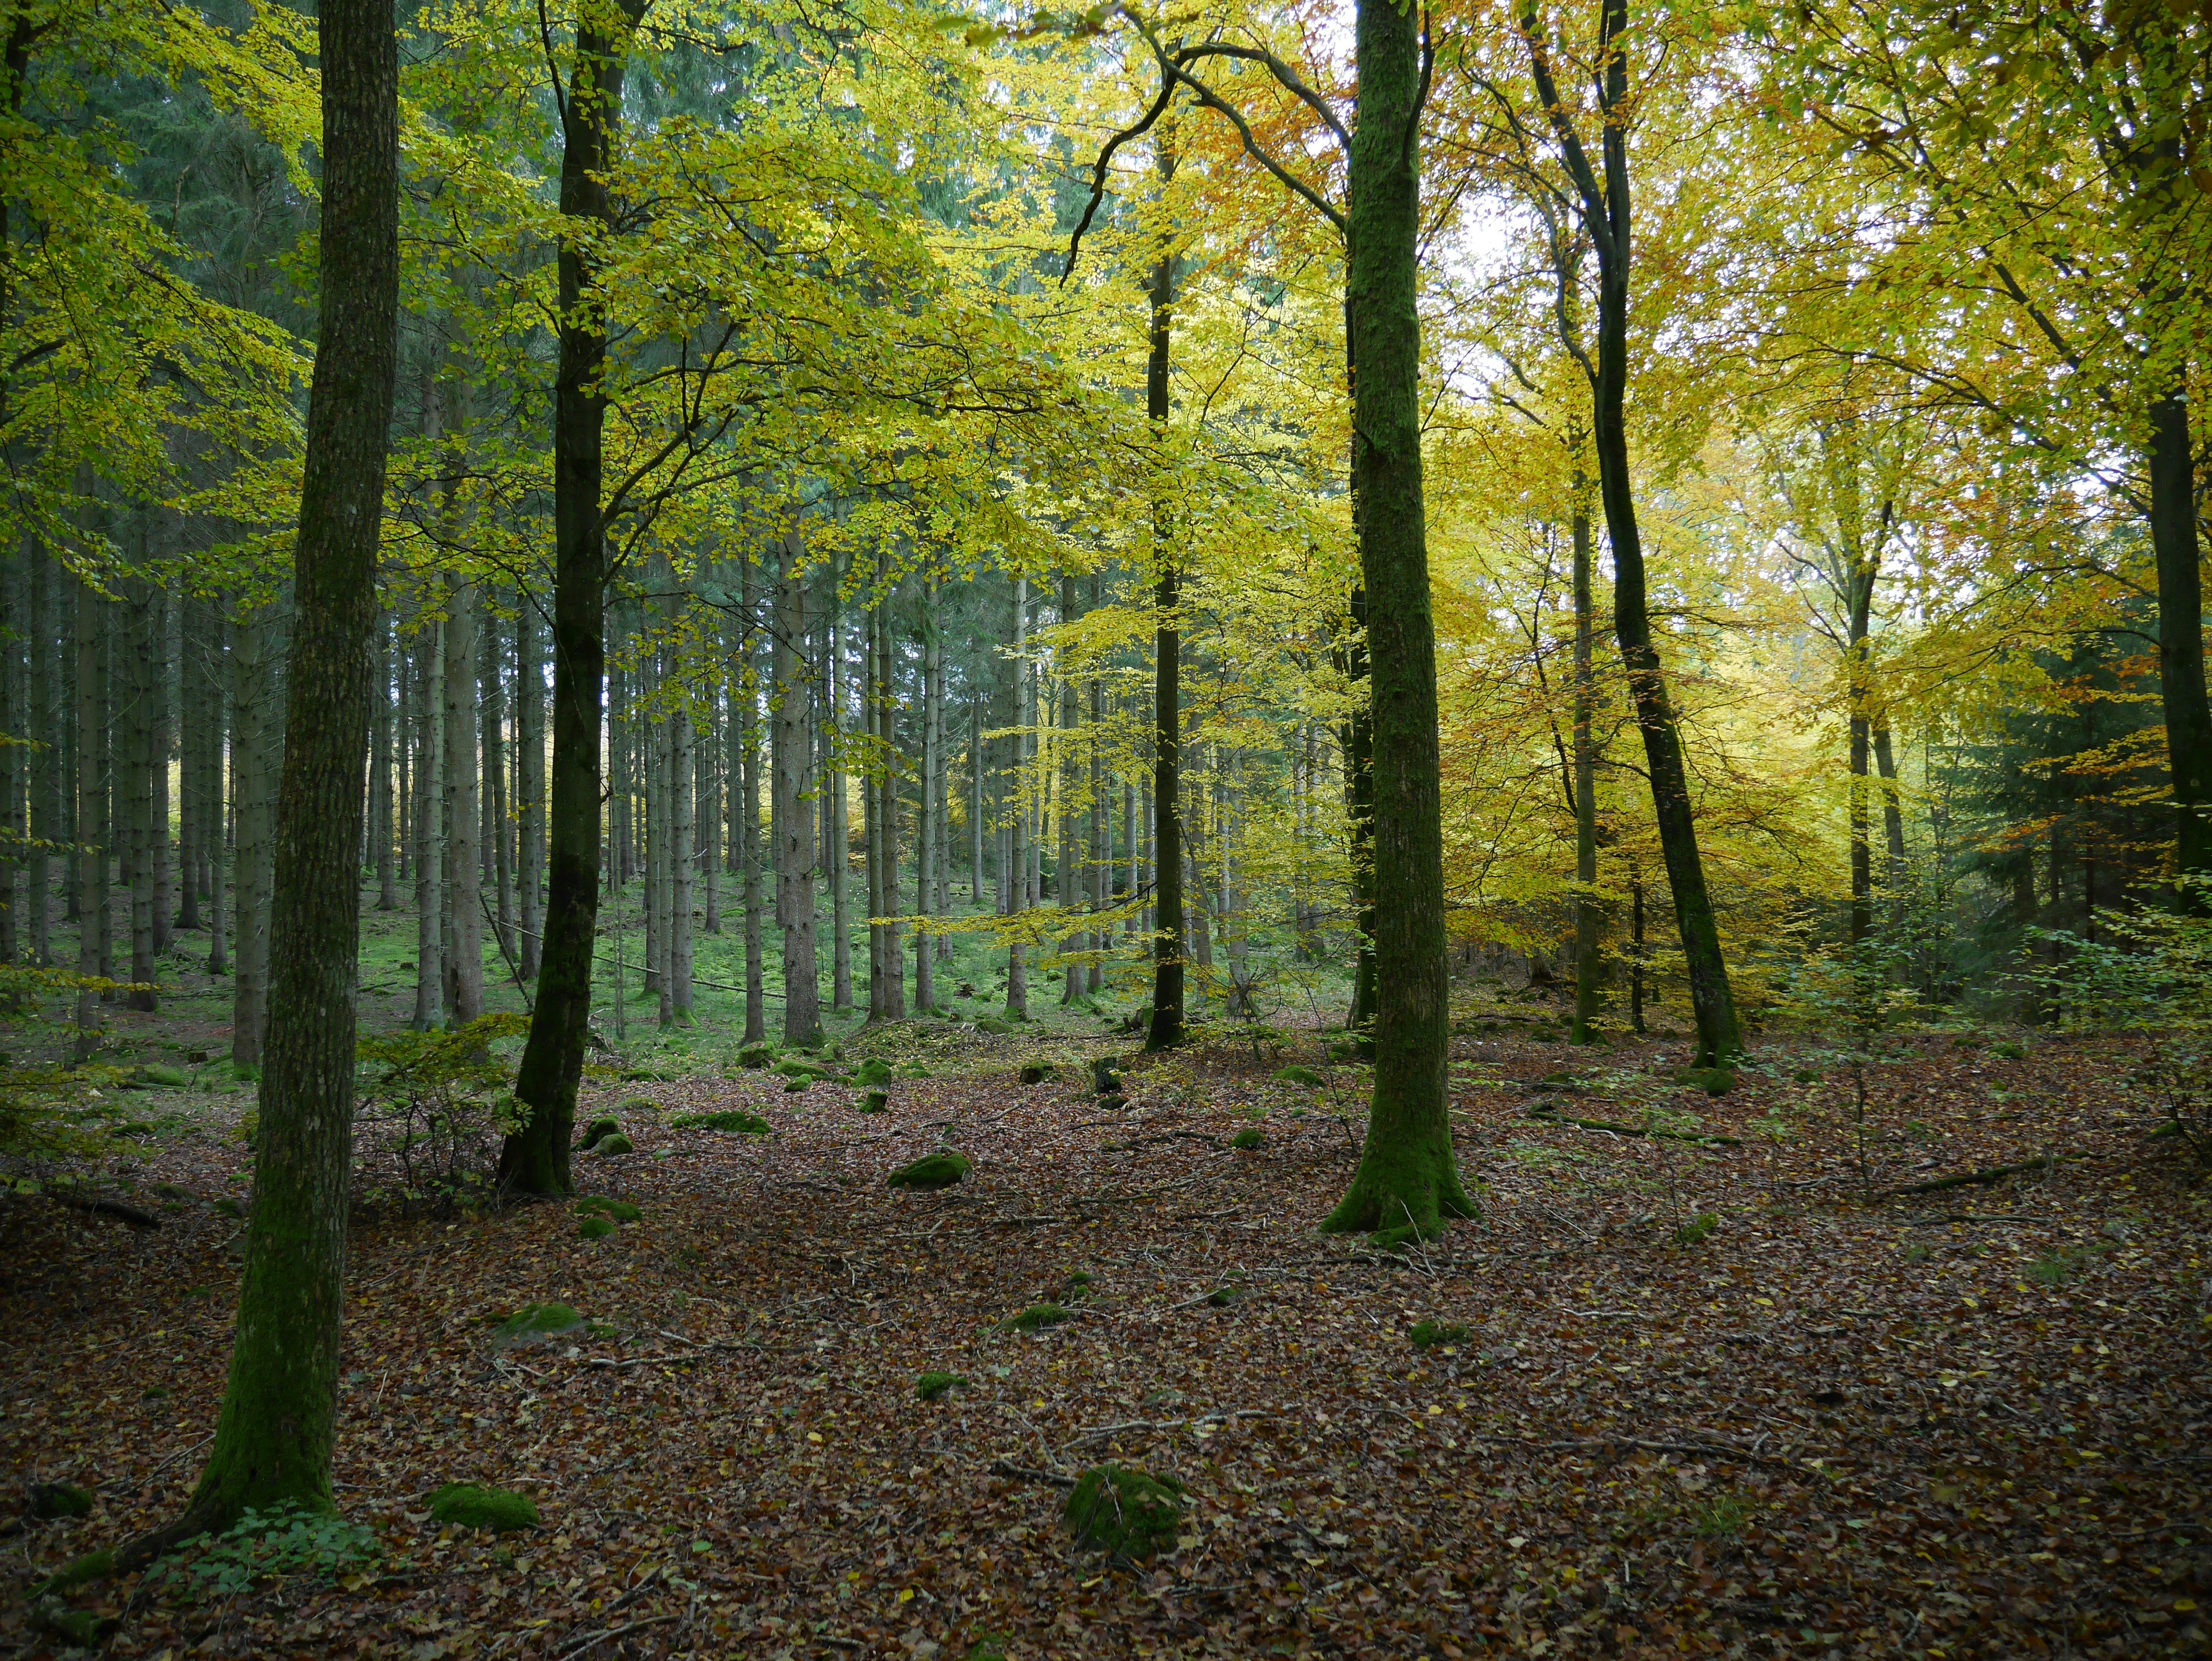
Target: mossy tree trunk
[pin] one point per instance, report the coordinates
(273, 1438)
(1407, 1182)
(1166, 1030)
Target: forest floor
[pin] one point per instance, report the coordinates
(1691, 1399)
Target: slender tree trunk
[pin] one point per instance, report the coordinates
(90, 899)
(535, 1159)
(1166, 1029)
(530, 782)
(1017, 980)
(501, 820)
(279, 1419)
(429, 834)
(222, 719)
(681, 831)
(156, 673)
(381, 815)
(1407, 1181)
(462, 935)
(975, 798)
(48, 821)
(1892, 817)
(839, 837)
(884, 805)
(1605, 216)
(802, 988)
(1589, 912)
(925, 827)
(750, 818)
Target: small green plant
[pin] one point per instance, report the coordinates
(1916, 1254)
(2056, 1268)
(286, 1540)
(933, 1386)
(470, 1505)
(1721, 1517)
(1430, 1335)
(1698, 1228)
(432, 1119)
(2010, 1050)
(1248, 1140)
(621, 1211)
(1035, 1318)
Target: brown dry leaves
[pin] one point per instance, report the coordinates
(1965, 1423)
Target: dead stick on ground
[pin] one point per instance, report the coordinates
(595, 1639)
(1024, 1473)
(1978, 1178)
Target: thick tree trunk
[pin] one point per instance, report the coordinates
(273, 1438)
(535, 1159)
(1407, 1182)
(254, 751)
(2181, 640)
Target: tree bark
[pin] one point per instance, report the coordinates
(1166, 1030)
(535, 1159)
(530, 782)
(1589, 912)
(91, 899)
(1407, 1182)
(462, 935)
(2181, 640)
(802, 989)
(252, 751)
(1605, 214)
(1018, 850)
(278, 1423)
(748, 828)
(925, 827)
(430, 818)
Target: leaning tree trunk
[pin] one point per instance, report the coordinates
(535, 1159)
(1407, 1181)
(279, 1420)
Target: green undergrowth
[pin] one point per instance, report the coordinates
(732, 1119)
(286, 1540)
(1125, 1512)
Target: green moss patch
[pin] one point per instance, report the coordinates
(1128, 1513)
(755, 1055)
(466, 1505)
(933, 1170)
(1304, 1075)
(621, 1210)
(876, 1101)
(595, 1228)
(1713, 1080)
(615, 1142)
(736, 1119)
(52, 1501)
(1247, 1139)
(167, 1078)
(536, 1321)
(1429, 1334)
(1035, 1318)
(1039, 1073)
(597, 1131)
(933, 1386)
(872, 1073)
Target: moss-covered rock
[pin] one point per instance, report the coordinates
(755, 1055)
(597, 1131)
(536, 1321)
(621, 1210)
(995, 1025)
(1128, 1513)
(736, 1119)
(468, 1506)
(1247, 1139)
(1039, 1073)
(872, 1073)
(1429, 1334)
(793, 1086)
(1105, 1079)
(167, 1078)
(933, 1170)
(595, 1228)
(1035, 1318)
(876, 1101)
(1304, 1075)
(52, 1501)
(613, 1143)
(792, 1067)
(932, 1386)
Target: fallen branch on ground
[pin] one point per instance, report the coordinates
(1551, 1115)
(1980, 1178)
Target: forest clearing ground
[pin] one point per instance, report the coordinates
(1969, 1422)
